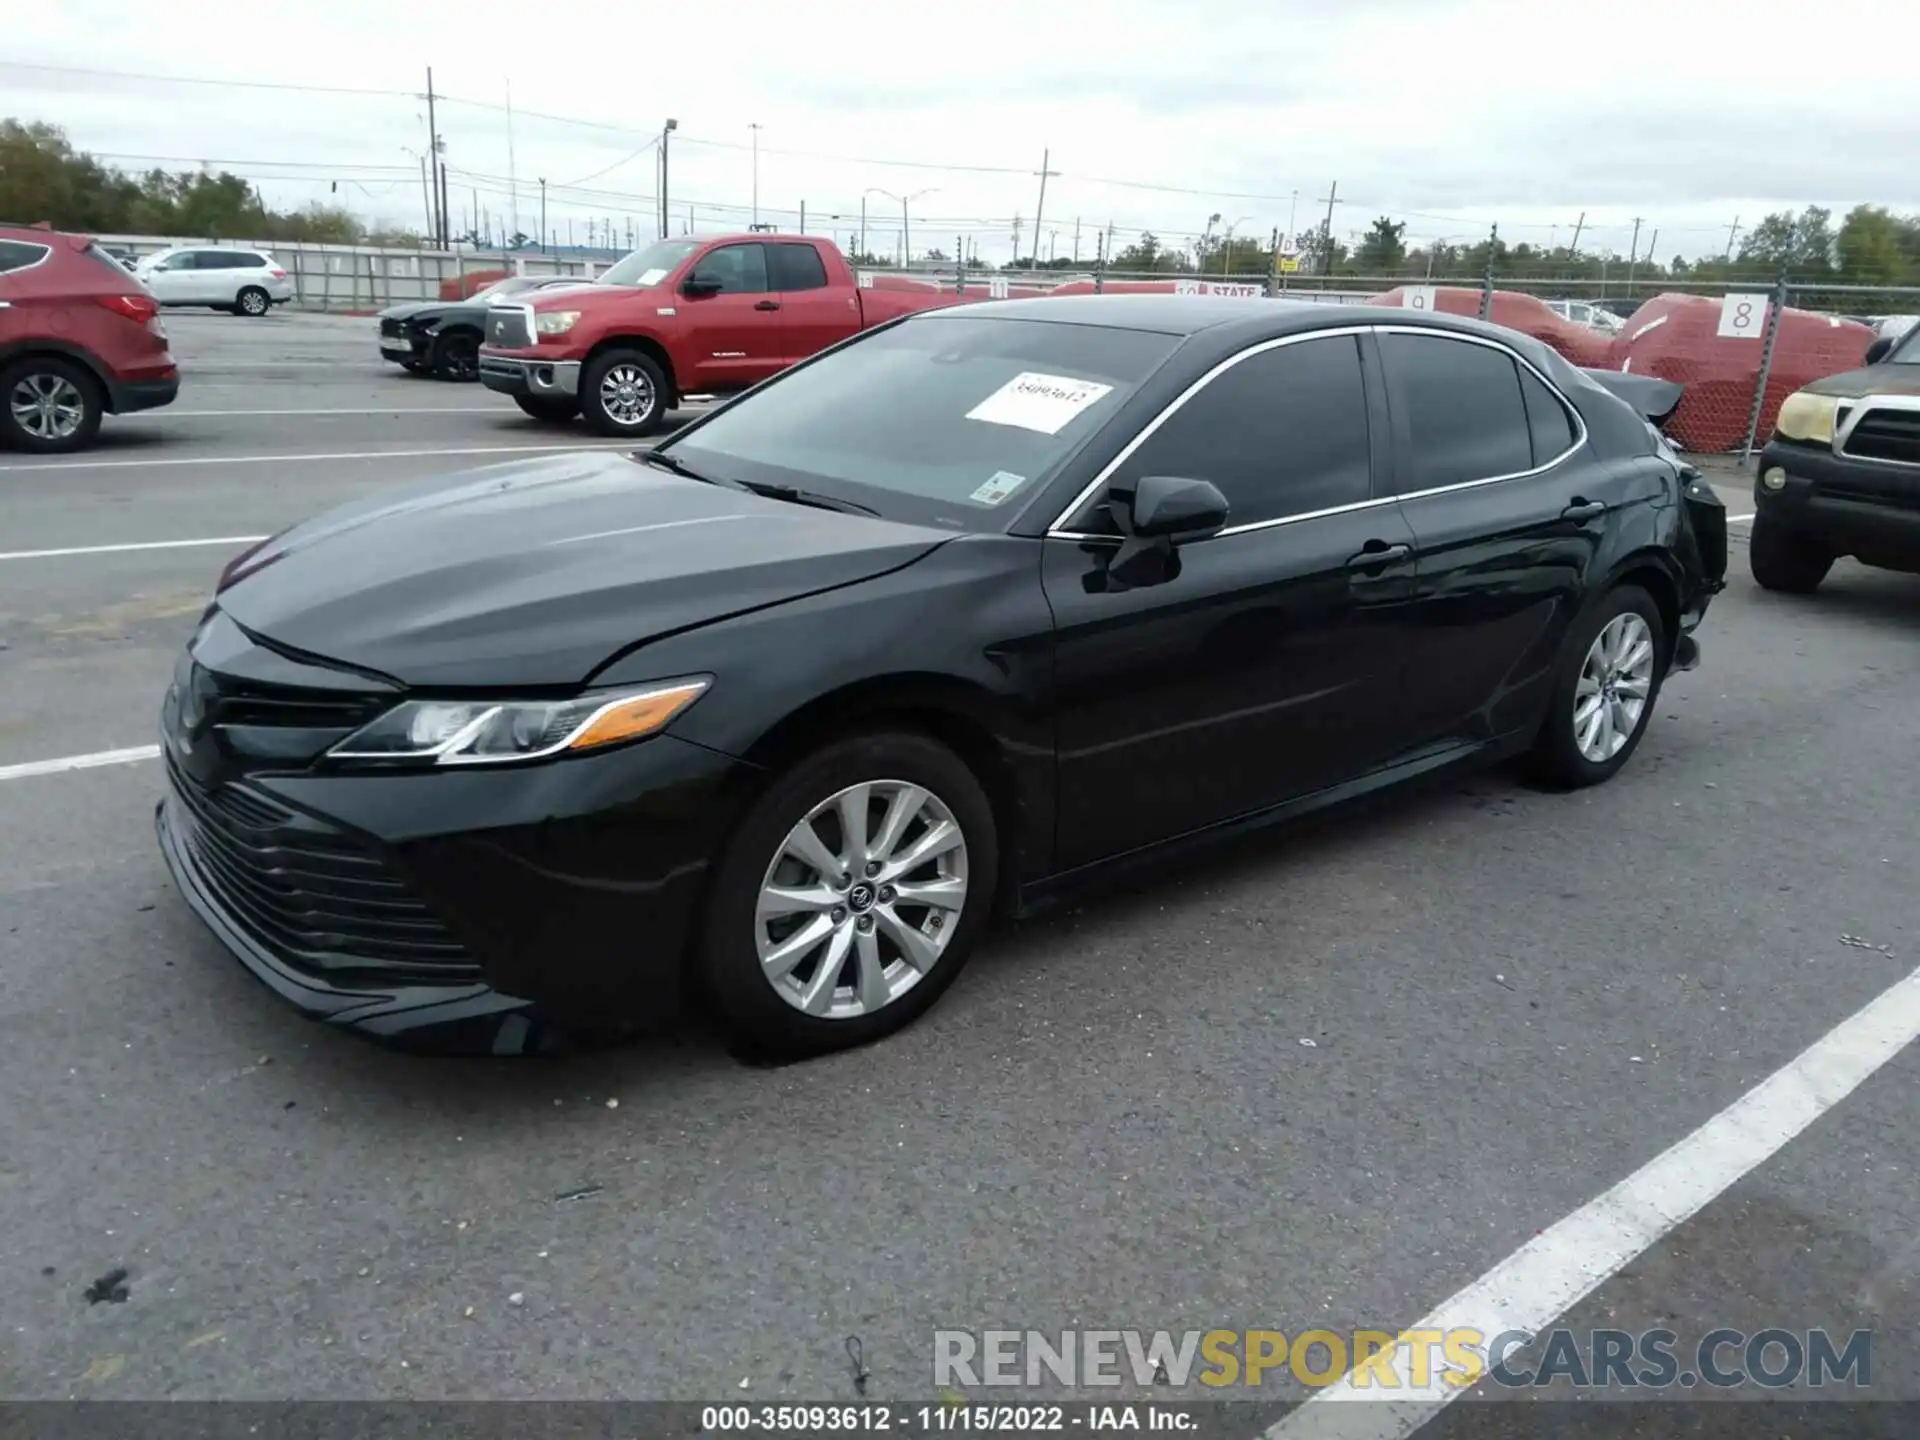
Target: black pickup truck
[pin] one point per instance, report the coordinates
(442, 337)
(1841, 473)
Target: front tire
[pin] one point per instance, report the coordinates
(624, 394)
(253, 301)
(1610, 671)
(1783, 561)
(850, 896)
(49, 406)
(455, 356)
(547, 411)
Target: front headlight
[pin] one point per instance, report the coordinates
(554, 322)
(1807, 417)
(479, 732)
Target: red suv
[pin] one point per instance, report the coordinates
(79, 337)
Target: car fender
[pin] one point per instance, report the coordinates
(20, 349)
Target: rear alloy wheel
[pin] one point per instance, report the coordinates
(850, 896)
(253, 301)
(547, 411)
(1611, 668)
(623, 393)
(48, 406)
(1781, 560)
(455, 356)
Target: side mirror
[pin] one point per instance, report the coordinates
(1878, 350)
(1170, 508)
(697, 284)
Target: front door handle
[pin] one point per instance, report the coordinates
(768, 305)
(1378, 553)
(1581, 510)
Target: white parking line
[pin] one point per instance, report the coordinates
(379, 410)
(141, 545)
(79, 762)
(1571, 1259)
(1738, 519)
(318, 456)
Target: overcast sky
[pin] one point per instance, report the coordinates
(1447, 114)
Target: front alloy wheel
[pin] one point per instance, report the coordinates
(624, 393)
(860, 903)
(850, 895)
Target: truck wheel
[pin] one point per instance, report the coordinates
(547, 411)
(1782, 560)
(623, 394)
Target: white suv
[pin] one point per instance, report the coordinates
(246, 282)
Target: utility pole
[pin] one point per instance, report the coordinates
(543, 214)
(1326, 230)
(863, 225)
(1076, 241)
(1573, 250)
(1633, 250)
(513, 183)
(1040, 210)
(668, 129)
(756, 174)
(1016, 242)
(433, 149)
(1732, 230)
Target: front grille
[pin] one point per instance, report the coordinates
(314, 897)
(507, 329)
(1885, 434)
(390, 326)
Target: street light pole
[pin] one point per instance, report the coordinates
(756, 174)
(666, 130)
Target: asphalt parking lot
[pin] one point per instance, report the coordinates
(1328, 1082)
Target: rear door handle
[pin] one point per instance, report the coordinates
(768, 305)
(1583, 510)
(1376, 554)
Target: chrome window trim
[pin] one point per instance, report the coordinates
(1844, 431)
(1056, 532)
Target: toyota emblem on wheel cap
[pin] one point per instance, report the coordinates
(860, 897)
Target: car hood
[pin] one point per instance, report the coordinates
(537, 573)
(1900, 379)
(415, 307)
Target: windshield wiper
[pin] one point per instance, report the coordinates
(796, 496)
(681, 468)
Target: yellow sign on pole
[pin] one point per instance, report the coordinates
(1289, 264)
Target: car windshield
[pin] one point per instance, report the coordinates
(649, 266)
(943, 420)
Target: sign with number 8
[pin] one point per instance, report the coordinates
(1743, 317)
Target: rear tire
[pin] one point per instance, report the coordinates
(623, 393)
(548, 412)
(455, 356)
(49, 405)
(858, 915)
(1608, 680)
(253, 301)
(1783, 561)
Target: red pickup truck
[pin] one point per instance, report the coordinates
(684, 317)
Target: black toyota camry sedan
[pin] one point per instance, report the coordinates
(939, 624)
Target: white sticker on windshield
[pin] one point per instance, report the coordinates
(999, 486)
(651, 277)
(1033, 401)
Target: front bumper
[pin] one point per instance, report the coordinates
(536, 378)
(1868, 509)
(546, 899)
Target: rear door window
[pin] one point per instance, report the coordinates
(1464, 413)
(795, 267)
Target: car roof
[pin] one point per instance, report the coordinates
(1244, 320)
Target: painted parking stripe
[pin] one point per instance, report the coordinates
(1571, 1259)
(321, 456)
(502, 412)
(117, 549)
(94, 761)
